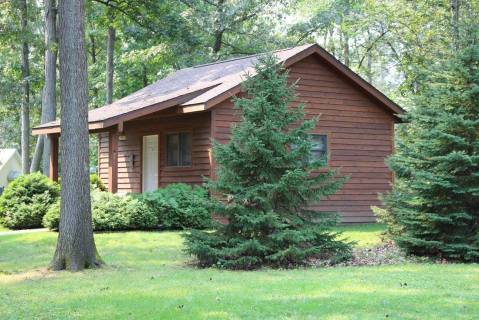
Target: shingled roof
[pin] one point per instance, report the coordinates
(201, 87)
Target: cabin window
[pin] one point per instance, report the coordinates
(319, 149)
(178, 149)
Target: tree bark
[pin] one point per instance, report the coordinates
(37, 155)
(76, 248)
(49, 101)
(25, 109)
(369, 63)
(219, 28)
(346, 49)
(455, 4)
(110, 53)
(93, 61)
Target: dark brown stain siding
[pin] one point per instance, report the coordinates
(360, 135)
(129, 174)
(359, 129)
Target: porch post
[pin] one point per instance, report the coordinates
(53, 157)
(113, 162)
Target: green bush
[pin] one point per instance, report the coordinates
(96, 183)
(110, 212)
(107, 212)
(25, 201)
(179, 206)
(51, 219)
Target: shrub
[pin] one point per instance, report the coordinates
(138, 214)
(96, 183)
(25, 201)
(107, 212)
(180, 206)
(110, 212)
(51, 219)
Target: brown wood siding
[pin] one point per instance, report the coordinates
(360, 135)
(130, 148)
(103, 157)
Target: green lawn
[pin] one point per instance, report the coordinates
(147, 277)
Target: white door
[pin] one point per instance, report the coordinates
(150, 163)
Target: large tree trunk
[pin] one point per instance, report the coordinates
(25, 109)
(76, 248)
(110, 52)
(49, 100)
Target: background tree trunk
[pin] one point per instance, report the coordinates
(110, 53)
(25, 109)
(49, 101)
(455, 4)
(76, 248)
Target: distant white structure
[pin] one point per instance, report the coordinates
(10, 166)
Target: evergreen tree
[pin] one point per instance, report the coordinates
(433, 209)
(266, 181)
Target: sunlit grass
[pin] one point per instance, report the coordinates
(365, 235)
(147, 276)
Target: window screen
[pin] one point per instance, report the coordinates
(319, 149)
(178, 149)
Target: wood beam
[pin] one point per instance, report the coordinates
(53, 157)
(193, 108)
(113, 162)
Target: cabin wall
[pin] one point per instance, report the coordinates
(360, 135)
(130, 150)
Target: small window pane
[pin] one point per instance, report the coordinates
(319, 150)
(172, 149)
(185, 149)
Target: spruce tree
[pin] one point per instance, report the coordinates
(265, 182)
(433, 209)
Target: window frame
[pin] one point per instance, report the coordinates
(180, 165)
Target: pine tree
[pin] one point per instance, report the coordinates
(433, 209)
(266, 181)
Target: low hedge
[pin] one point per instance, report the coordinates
(25, 201)
(179, 206)
(111, 212)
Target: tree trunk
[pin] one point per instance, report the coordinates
(93, 61)
(25, 109)
(49, 101)
(219, 26)
(144, 75)
(110, 52)
(76, 248)
(455, 4)
(345, 38)
(37, 155)
(369, 66)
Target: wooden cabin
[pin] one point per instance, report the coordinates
(162, 133)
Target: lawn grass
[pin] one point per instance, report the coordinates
(147, 277)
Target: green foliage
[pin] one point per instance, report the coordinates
(267, 185)
(51, 219)
(25, 201)
(96, 183)
(110, 212)
(179, 206)
(433, 209)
